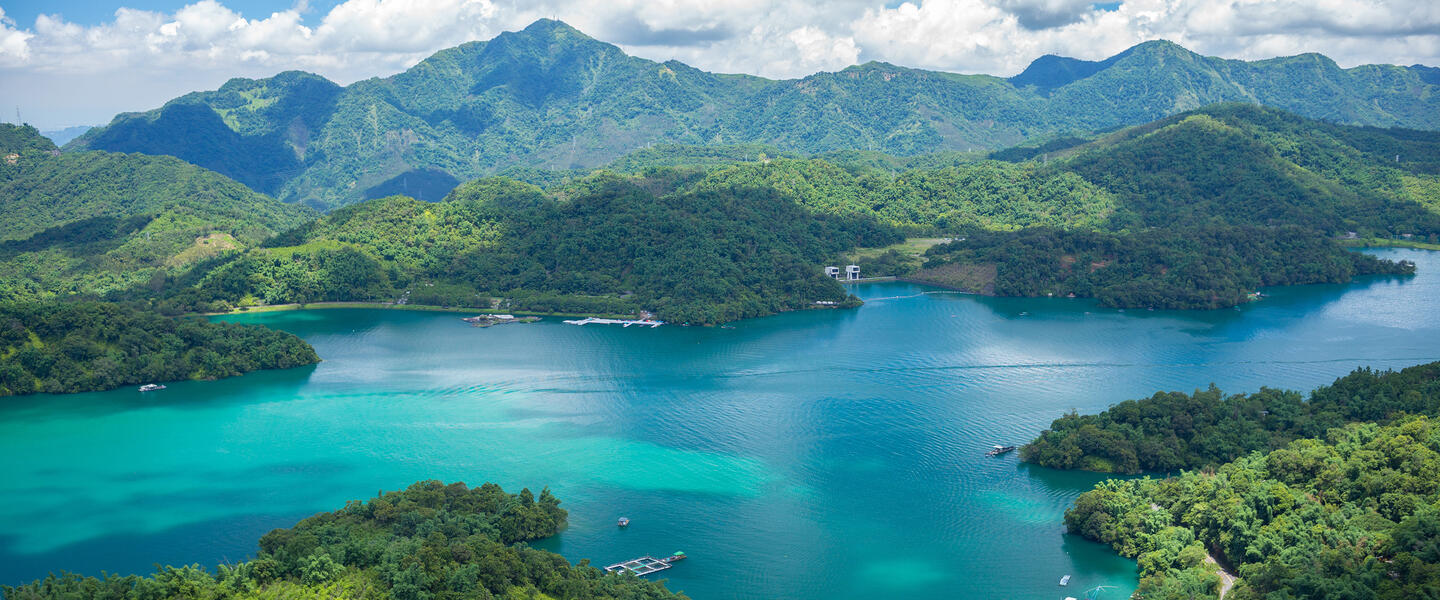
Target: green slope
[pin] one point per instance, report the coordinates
(1243, 164)
(1192, 211)
(607, 244)
(63, 347)
(96, 222)
(1351, 513)
(550, 97)
(1204, 207)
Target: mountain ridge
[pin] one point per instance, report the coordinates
(550, 96)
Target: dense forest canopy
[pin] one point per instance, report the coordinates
(606, 243)
(1355, 514)
(1334, 496)
(430, 541)
(1170, 431)
(1203, 267)
(549, 97)
(1130, 218)
(62, 347)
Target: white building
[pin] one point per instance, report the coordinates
(852, 272)
(832, 272)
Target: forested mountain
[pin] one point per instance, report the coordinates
(430, 540)
(551, 97)
(1244, 164)
(1196, 210)
(1193, 211)
(606, 244)
(94, 222)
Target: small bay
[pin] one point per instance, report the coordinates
(818, 454)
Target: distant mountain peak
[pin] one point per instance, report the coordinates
(551, 26)
(551, 97)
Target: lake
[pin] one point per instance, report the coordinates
(818, 454)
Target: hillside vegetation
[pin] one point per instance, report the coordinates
(429, 541)
(1204, 267)
(90, 223)
(1355, 514)
(1170, 431)
(1333, 496)
(608, 244)
(550, 97)
(1197, 210)
(87, 346)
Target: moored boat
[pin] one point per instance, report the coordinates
(997, 450)
(151, 387)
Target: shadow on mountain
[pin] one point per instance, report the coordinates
(87, 236)
(421, 184)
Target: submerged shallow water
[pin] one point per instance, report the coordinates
(819, 454)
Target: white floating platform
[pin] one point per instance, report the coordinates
(622, 322)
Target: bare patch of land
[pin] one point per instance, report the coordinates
(973, 278)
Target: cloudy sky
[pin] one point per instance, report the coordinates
(78, 62)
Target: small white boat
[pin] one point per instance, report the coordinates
(623, 522)
(151, 387)
(1065, 580)
(998, 450)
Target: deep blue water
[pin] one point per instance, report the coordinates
(819, 454)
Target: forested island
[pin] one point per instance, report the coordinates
(64, 347)
(428, 541)
(1330, 496)
(1170, 431)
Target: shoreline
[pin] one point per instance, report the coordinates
(392, 306)
(1387, 243)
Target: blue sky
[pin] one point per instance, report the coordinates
(96, 12)
(79, 62)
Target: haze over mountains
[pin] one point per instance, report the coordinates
(551, 97)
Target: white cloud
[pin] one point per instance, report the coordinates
(14, 44)
(53, 68)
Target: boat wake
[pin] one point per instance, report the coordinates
(918, 295)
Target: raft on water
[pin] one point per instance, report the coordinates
(625, 322)
(645, 565)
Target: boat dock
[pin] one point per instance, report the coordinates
(645, 565)
(624, 322)
(492, 319)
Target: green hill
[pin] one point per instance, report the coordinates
(1244, 164)
(1199, 209)
(62, 347)
(96, 222)
(603, 244)
(550, 97)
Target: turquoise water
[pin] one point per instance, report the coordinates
(821, 454)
